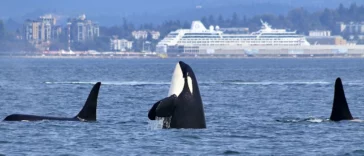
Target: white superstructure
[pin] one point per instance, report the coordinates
(198, 37)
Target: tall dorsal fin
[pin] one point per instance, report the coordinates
(340, 108)
(88, 111)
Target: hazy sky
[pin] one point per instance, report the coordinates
(155, 9)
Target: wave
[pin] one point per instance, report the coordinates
(124, 83)
(206, 83)
(278, 83)
(298, 120)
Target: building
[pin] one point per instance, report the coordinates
(155, 34)
(56, 32)
(31, 30)
(340, 27)
(47, 22)
(355, 28)
(82, 29)
(120, 44)
(319, 33)
(39, 30)
(350, 28)
(326, 40)
(141, 34)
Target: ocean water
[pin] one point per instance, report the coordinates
(252, 107)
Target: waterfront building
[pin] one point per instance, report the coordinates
(155, 34)
(31, 30)
(141, 34)
(326, 40)
(319, 33)
(120, 45)
(39, 30)
(350, 28)
(82, 29)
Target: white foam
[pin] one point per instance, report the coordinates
(156, 124)
(123, 83)
(357, 120)
(355, 83)
(315, 120)
(281, 83)
(135, 83)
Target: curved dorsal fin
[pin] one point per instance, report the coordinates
(340, 108)
(88, 111)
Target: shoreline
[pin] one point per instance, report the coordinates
(225, 56)
(184, 57)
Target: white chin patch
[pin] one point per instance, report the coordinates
(177, 81)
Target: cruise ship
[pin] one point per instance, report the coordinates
(198, 39)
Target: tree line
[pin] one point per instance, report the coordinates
(298, 19)
(10, 43)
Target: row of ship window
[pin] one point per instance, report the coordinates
(242, 37)
(217, 33)
(253, 44)
(220, 43)
(282, 41)
(229, 39)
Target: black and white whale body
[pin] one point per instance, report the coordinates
(88, 112)
(183, 107)
(340, 108)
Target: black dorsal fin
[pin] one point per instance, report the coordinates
(340, 108)
(88, 112)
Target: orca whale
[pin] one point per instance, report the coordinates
(88, 112)
(340, 108)
(183, 107)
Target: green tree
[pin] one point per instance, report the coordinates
(327, 18)
(204, 20)
(300, 19)
(149, 37)
(235, 20)
(186, 25)
(245, 20)
(211, 21)
(220, 21)
(2, 30)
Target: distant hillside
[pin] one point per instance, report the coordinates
(110, 12)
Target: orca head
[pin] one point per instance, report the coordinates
(183, 79)
(340, 108)
(183, 107)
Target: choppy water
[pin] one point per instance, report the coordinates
(252, 107)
